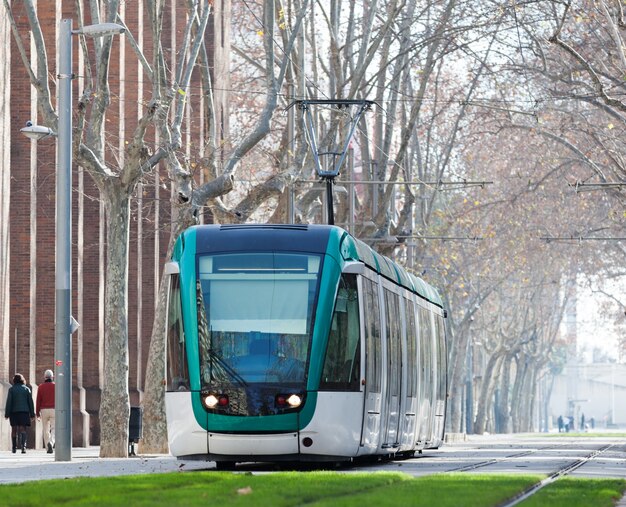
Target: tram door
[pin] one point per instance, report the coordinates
(426, 376)
(370, 310)
(411, 362)
(442, 364)
(393, 369)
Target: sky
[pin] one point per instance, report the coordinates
(595, 326)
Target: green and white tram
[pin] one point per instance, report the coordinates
(299, 343)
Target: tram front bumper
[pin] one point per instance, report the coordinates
(253, 445)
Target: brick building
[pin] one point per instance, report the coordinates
(27, 212)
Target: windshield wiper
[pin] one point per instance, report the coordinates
(224, 367)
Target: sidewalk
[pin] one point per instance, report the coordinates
(37, 465)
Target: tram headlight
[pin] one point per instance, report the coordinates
(291, 400)
(294, 401)
(213, 400)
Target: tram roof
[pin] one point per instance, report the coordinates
(316, 239)
(355, 249)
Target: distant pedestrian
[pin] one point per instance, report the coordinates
(560, 422)
(582, 422)
(44, 408)
(20, 411)
(593, 423)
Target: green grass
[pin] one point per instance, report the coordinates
(283, 489)
(450, 490)
(570, 492)
(316, 489)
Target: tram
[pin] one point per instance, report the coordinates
(299, 343)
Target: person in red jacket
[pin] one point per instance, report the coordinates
(44, 408)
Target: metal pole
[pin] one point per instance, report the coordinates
(63, 281)
(469, 400)
(291, 126)
(329, 201)
(351, 192)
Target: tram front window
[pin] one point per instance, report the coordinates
(254, 318)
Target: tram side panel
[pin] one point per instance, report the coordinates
(435, 390)
(442, 386)
(186, 437)
(392, 368)
(411, 360)
(335, 429)
(372, 368)
(426, 377)
(434, 336)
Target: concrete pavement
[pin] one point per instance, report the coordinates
(37, 465)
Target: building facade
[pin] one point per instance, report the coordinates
(27, 210)
(595, 391)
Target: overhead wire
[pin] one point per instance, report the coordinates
(407, 99)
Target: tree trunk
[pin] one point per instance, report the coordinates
(503, 408)
(516, 395)
(485, 399)
(530, 398)
(115, 403)
(154, 440)
(457, 371)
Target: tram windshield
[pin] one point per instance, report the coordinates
(255, 314)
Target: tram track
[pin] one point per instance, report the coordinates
(563, 471)
(481, 464)
(567, 469)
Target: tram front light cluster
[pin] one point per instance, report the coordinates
(289, 400)
(212, 400)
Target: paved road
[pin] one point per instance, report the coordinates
(478, 454)
(531, 454)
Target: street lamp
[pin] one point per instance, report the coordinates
(36, 132)
(65, 324)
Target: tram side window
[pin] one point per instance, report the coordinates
(394, 337)
(373, 353)
(177, 372)
(441, 346)
(342, 364)
(411, 337)
(426, 352)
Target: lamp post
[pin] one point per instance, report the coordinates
(65, 324)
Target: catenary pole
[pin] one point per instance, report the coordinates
(63, 271)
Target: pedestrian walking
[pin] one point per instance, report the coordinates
(20, 411)
(44, 408)
(582, 422)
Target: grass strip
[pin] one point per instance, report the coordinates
(449, 490)
(284, 489)
(572, 492)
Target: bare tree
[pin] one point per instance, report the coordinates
(155, 433)
(116, 184)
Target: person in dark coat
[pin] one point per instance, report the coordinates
(20, 410)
